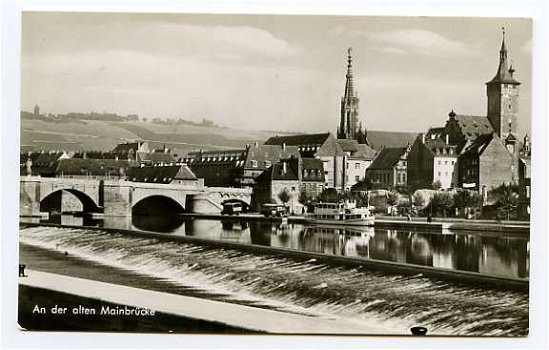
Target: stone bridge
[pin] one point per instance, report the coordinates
(122, 198)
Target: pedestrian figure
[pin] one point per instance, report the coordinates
(429, 218)
(409, 217)
(22, 270)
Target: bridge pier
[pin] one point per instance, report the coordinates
(29, 197)
(117, 200)
(118, 197)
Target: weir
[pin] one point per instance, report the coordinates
(299, 283)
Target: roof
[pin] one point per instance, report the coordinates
(380, 139)
(127, 147)
(266, 155)
(86, 166)
(156, 157)
(348, 145)
(299, 140)
(478, 145)
(160, 174)
(503, 75)
(473, 126)
(280, 172)
(438, 147)
(184, 173)
(233, 158)
(313, 170)
(435, 132)
(365, 151)
(387, 158)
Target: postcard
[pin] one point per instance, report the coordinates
(201, 173)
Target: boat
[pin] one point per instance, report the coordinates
(340, 214)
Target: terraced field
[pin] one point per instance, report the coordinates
(105, 135)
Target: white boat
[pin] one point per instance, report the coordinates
(344, 213)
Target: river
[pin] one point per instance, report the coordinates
(313, 287)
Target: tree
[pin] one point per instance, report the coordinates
(392, 199)
(442, 201)
(284, 196)
(329, 195)
(436, 185)
(506, 198)
(418, 201)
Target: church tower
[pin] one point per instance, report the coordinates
(503, 93)
(348, 125)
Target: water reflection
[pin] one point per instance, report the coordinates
(487, 254)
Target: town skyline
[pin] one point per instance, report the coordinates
(263, 72)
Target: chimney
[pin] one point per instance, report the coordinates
(284, 146)
(284, 167)
(422, 138)
(256, 144)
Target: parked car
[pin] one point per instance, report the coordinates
(231, 209)
(274, 210)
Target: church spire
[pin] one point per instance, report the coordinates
(348, 125)
(503, 74)
(349, 88)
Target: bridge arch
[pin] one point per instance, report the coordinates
(53, 201)
(157, 205)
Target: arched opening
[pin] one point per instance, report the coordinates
(157, 213)
(68, 201)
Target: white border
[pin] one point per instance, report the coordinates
(9, 125)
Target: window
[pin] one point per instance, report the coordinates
(357, 178)
(453, 162)
(357, 166)
(438, 163)
(254, 163)
(445, 162)
(439, 174)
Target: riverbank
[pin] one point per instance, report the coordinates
(390, 267)
(438, 224)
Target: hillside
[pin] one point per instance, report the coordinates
(104, 135)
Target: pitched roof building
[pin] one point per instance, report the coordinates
(237, 168)
(322, 146)
(170, 174)
(389, 168)
(93, 168)
(382, 139)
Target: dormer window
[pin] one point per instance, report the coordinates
(254, 163)
(267, 163)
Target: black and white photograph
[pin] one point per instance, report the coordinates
(275, 174)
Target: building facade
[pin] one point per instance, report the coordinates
(389, 169)
(320, 146)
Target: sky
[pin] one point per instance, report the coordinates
(269, 72)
